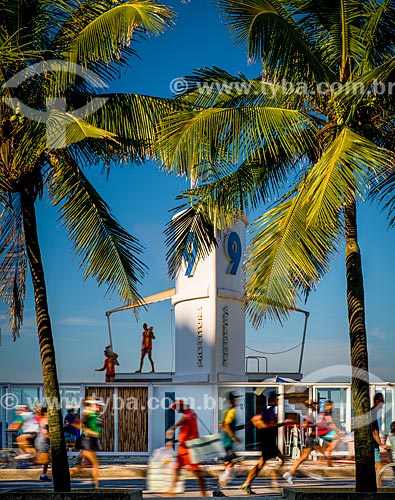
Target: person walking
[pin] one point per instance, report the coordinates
(268, 423)
(146, 347)
(91, 428)
(188, 429)
(229, 439)
(69, 429)
(378, 404)
(309, 422)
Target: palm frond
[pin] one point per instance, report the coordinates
(106, 33)
(252, 184)
(342, 172)
(5, 160)
(334, 30)
(12, 259)
(64, 129)
(214, 87)
(286, 258)
(187, 221)
(221, 202)
(354, 92)
(188, 139)
(30, 142)
(377, 33)
(133, 118)
(384, 191)
(107, 251)
(273, 36)
(13, 55)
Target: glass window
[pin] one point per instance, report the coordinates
(27, 395)
(339, 397)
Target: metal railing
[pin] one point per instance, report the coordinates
(257, 358)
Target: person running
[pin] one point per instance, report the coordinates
(27, 424)
(268, 423)
(42, 444)
(309, 422)
(146, 347)
(229, 439)
(90, 426)
(188, 430)
(327, 430)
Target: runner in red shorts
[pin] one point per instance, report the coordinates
(188, 430)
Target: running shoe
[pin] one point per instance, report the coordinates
(247, 489)
(288, 477)
(45, 479)
(218, 493)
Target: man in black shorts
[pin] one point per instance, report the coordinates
(267, 422)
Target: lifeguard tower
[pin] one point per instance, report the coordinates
(209, 320)
(210, 326)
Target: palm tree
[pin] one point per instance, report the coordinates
(312, 133)
(54, 54)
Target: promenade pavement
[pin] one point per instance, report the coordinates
(341, 469)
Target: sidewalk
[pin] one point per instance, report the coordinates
(309, 468)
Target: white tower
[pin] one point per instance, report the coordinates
(209, 319)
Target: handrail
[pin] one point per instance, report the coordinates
(257, 358)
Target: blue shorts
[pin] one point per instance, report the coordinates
(329, 437)
(377, 456)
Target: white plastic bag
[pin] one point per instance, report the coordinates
(160, 471)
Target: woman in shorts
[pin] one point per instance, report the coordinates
(90, 426)
(327, 430)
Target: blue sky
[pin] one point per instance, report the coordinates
(141, 198)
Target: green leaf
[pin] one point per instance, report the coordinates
(189, 139)
(286, 257)
(273, 35)
(102, 38)
(13, 260)
(107, 251)
(63, 129)
(342, 172)
(177, 233)
(133, 118)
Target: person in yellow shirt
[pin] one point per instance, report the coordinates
(229, 439)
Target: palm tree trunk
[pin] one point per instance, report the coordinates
(364, 455)
(60, 467)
